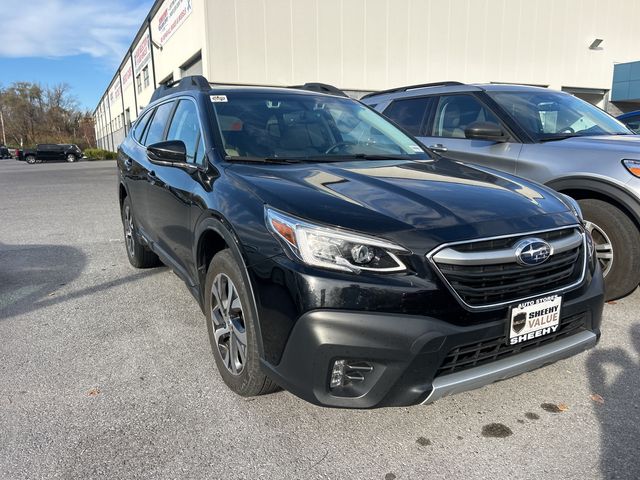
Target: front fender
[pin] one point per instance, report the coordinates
(603, 187)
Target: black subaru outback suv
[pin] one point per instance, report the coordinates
(335, 257)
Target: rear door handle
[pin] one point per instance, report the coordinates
(438, 147)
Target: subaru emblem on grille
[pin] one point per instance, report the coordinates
(532, 251)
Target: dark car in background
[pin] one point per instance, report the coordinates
(631, 120)
(334, 256)
(4, 152)
(50, 152)
(544, 135)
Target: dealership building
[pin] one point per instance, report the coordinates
(367, 45)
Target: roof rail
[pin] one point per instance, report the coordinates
(412, 87)
(194, 82)
(321, 88)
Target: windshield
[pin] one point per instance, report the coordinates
(282, 125)
(555, 115)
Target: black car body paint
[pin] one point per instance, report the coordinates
(404, 325)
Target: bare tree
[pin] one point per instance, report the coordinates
(36, 114)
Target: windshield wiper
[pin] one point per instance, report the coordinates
(261, 159)
(353, 156)
(316, 159)
(563, 136)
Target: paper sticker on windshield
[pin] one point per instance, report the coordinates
(218, 98)
(415, 148)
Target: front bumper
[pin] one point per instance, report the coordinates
(408, 351)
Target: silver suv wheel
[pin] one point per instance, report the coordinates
(603, 246)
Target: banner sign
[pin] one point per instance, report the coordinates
(114, 94)
(127, 76)
(171, 18)
(142, 53)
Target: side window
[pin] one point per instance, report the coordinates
(409, 113)
(155, 132)
(634, 124)
(140, 126)
(185, 127)
(456, 112)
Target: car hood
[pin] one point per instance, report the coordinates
(613, 143)
(416, 203)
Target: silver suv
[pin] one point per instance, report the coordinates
(543, 135)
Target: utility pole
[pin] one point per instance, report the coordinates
(4, 136)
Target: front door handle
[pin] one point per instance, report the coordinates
(438, 147)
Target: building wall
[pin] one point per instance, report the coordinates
(365, 45)
(377, 44)
(183, 42)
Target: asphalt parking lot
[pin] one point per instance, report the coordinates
(106, 372)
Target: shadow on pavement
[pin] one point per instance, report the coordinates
(31, 274)
(619, 416)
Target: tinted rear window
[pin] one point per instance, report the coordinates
(409, 114)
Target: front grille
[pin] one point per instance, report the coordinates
(487, 351)
(482, 285)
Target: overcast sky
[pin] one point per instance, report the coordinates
(79, 42)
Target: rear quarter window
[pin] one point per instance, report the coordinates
(409, 113)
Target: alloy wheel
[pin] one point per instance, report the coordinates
(128, 230)
(229, 326)
(603, 246)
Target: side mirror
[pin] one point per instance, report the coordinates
(485, 131)
(168, 153)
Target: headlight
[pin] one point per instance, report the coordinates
(633, 166)
(334, 248)
(574, 206)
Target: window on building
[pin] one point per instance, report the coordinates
(139, 83)
(155, 132)
(193, 66)
(145, 75)
(185, 127)
(457, 112)
(410, 114)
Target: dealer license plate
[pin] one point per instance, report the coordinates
(534, 318)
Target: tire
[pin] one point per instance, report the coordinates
(139, 255)
(30, 159)
(242, 375)
(71, 158)
(620, 263)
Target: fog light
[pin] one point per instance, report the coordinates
(337, 374)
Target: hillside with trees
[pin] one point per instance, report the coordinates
(34, 113)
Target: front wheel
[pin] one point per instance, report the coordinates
(71, 158)
(231, 326)
(30, 159)
(139, 255)
(617, 244)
